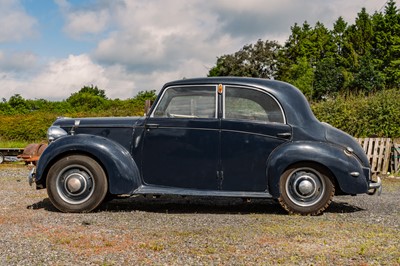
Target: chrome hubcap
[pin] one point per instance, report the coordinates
(75, 184)
(305, 187)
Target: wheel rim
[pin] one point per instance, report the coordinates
(305, 187)
(1, 158)
(75, 184)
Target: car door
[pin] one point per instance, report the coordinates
(181, 140)
(253, 125)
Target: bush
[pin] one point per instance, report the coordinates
(31, 127)
(376, 115)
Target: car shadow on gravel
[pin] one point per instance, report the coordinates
(43, 204)
(179, 205)
(207, 205)
(343, 207)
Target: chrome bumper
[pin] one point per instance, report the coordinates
(31, 176)
(375, 186)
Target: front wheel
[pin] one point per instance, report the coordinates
(306, 189)
(76, 183)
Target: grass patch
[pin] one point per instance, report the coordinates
(13, 144)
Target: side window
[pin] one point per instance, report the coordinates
(187, 102)
(250, 104)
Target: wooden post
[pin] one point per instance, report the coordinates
(147, 106)
(395, 162)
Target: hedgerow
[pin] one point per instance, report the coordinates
(376, 115)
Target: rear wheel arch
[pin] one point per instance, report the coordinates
(287, 155)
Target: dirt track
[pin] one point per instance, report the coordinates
(176, 231)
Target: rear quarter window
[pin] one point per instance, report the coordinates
(251, 104)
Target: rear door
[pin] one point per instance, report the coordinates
(253, 125)
(181, 141)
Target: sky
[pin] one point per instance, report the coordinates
(50, 49)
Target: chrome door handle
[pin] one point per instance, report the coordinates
(152, 125)
(284, 135)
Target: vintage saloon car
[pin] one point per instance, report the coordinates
(230, 137)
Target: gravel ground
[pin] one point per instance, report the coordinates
(360, 230)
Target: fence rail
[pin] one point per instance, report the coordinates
(395, 158)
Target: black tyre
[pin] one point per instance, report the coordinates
(306, 189)
(76, 183)
(1, 158)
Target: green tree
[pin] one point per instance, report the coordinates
(142, 96)
(93, 91)
(258, 60)
(338, 35)
(361, 33)
(87, 98)
(304, 57)
(366, 78)
(19, 104)
(302, 76)
(328, 78)
(6, 109)
(386, 50)
(293, 49)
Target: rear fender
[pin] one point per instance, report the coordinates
(122, 172)
(332, 157)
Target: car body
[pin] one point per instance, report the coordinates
(224, 136)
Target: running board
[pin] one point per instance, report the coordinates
(154, 190)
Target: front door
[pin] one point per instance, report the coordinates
(181, 141)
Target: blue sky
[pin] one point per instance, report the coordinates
(50, 49)
(51, 40)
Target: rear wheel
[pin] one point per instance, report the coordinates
(1, 158)
(76, 183)
(306, 189)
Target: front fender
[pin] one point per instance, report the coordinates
(122, 171)
(332, 157)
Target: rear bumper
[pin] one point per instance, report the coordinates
(375, 187)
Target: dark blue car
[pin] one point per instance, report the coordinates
(228, 137)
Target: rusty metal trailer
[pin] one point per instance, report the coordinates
(9, 152)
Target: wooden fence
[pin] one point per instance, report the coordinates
(378, 151)
(395, 158)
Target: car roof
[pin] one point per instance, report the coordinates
(293, 102)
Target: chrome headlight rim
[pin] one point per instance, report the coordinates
(55, 132)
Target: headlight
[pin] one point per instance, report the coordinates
(54, 133)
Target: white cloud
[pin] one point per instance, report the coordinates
(140, 45)
(16, 24)
(63, 77)
(92, 22)
(88, 18)
(153, 36)
(60, 78)
(17, 61)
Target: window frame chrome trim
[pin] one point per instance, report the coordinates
(259, 89)
(185, 86)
